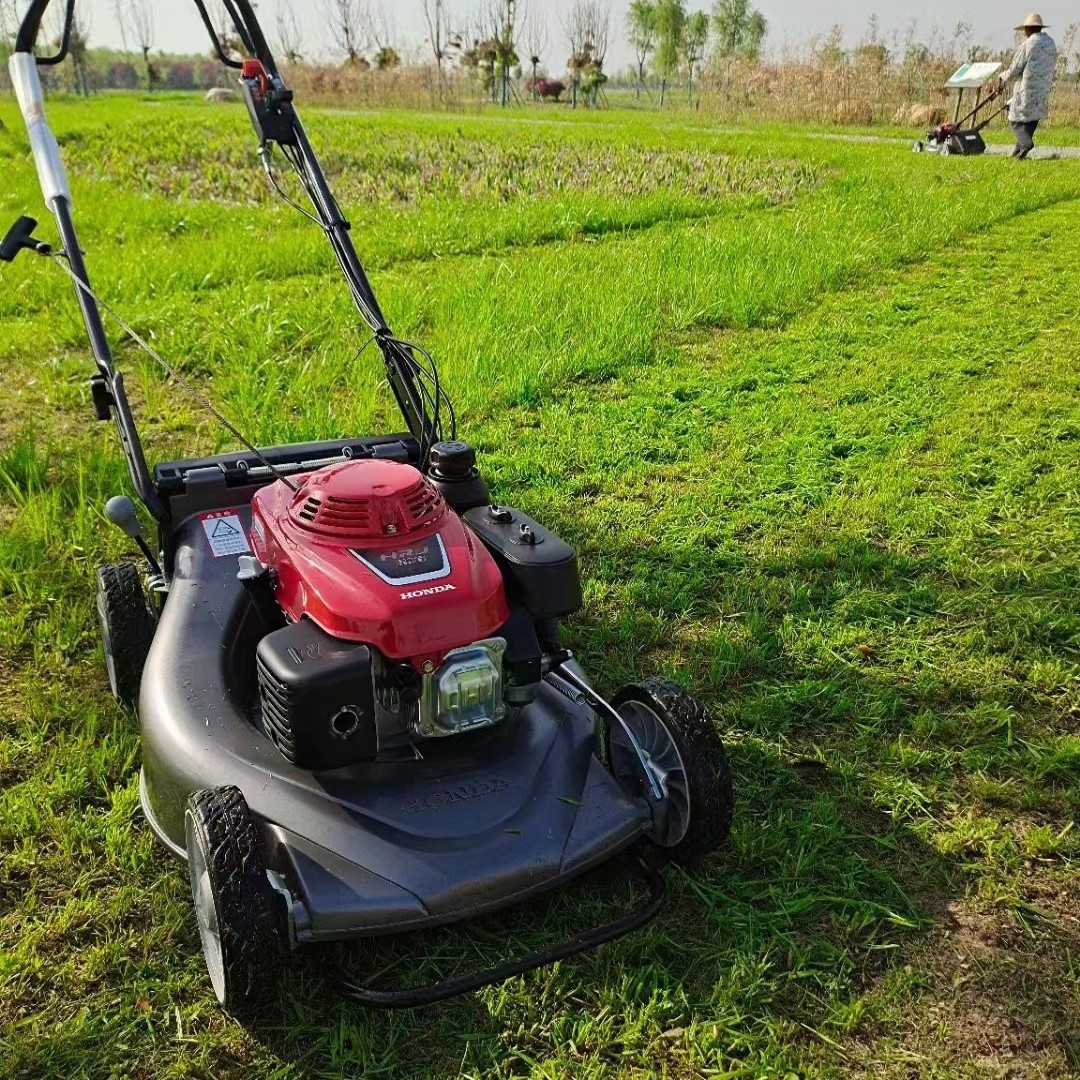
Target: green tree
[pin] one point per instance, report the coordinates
(587, 30)
(641, 29)
(481, 60)
(387, 58)
(739, 29)
(670, 30)
(695, 41)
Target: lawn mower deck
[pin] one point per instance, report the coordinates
(357, 714)
(373, 846)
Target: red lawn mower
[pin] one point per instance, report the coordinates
(357, 714)
(962, 136)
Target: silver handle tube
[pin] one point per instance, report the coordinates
(50, 167)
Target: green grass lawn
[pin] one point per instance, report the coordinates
(809, 410)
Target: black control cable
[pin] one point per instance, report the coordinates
(58, 258)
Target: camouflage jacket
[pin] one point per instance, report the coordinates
(1033, 65)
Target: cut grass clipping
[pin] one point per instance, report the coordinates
(810, 411)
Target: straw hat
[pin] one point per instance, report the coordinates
(1033, 22)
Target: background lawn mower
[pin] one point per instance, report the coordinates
(357, 716)
(962, 136)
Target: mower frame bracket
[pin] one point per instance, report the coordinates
(595, 702)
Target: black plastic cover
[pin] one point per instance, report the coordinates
(523, 657)
(318, 697)
(966, 143)
(380, 846)
(465, 493)
(540, 570)
(271, 112)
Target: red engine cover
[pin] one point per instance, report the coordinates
(370, 551)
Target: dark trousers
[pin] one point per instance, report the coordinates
(1024, 133)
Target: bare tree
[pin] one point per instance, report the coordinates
(9, 27)
(290, 36)
(121, 22)
(1068, 55)
(587, 27)
(480, 53)
(486, 18)
(138, 17)
(599, 21)
(225, 29)
(498, 24)
(349, 22)
(574, 35)
(439, 33)
(78, 41)
(534, 36)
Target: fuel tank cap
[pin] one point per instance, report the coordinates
(453, 459)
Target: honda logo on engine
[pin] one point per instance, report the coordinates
(433, 591)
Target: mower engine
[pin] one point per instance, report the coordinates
(398, 624)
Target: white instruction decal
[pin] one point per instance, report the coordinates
(225, 533)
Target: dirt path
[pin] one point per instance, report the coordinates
(1040, 153)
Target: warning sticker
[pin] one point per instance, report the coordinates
(225, 533)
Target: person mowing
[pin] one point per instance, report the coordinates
(1033, 65)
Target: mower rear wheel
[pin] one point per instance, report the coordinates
(687, 758)
(231, 894)
(127, 629)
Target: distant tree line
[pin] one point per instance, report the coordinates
(498, 44)
(498, 48)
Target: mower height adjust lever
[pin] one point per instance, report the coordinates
(558, 672)
(120, 510)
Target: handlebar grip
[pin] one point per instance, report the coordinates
(50, 166)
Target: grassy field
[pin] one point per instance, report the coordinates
(809, 410)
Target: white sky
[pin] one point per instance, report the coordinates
(180, 30)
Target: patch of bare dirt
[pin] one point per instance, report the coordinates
(1004, 994)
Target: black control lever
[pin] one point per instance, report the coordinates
(20, 236)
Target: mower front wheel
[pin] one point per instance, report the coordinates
(127, 629)
(686, 757)
(231, 894)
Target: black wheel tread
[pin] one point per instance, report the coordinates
(708, 770)
(122, 604)
(233, 848)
